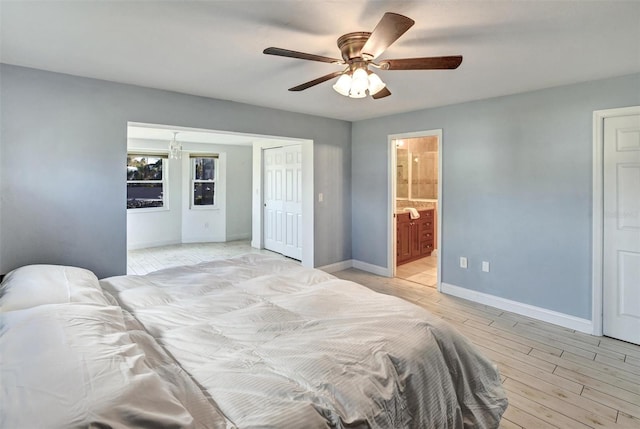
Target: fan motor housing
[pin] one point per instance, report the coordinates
(351, 44)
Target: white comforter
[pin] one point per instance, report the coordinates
(280, 346)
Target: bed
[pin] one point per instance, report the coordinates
(250, 342)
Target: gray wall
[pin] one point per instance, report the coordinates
(517, 183)
(239, 195)
(63, 142)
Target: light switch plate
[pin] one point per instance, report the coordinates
(463, 262)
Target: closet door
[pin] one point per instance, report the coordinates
(621, 232)
(283, 200)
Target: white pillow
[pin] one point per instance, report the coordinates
(34, 285)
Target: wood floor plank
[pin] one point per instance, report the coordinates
(585, 350)
(448, 305)
(626, 421)
(548, 327)
(528, 402)
(613, 371)
(561, 394)
(619, 346)
(524, 419)
(621, 395)
(594, 372)
(566, 408)
(514, 337)
(523, 359)
(574, 340)
(632, 361)
(508, 424)
(463, 304)
(516, 369)
(621, 365)
(466, 329)
(631, 408)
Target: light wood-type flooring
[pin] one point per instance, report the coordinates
(554, 377)
(423, 271)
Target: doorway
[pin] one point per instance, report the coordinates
(237, 214)
(415, 210)
(616, 225)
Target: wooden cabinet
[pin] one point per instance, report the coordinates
(414, 237)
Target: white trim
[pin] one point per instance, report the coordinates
(598, 210)
(338, 266)
(145, 245)
(391, 204)
(373, 269)
(550, 316)
(235, 237)
(391, 220)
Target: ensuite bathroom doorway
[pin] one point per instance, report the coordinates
(415, 207)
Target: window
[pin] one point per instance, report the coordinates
(203, 177)
(145, 181)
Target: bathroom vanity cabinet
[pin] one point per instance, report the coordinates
(414, 237)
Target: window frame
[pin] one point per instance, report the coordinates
(193, 181)
(164, 182)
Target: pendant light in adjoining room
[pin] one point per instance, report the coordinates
(175, 148)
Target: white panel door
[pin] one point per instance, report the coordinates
(273, 199)
(621, 234)
(283, 200)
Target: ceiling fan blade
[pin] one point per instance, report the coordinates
(384, 92)
(427, 63)
(314, 82)
(301, 55)
(388, 30)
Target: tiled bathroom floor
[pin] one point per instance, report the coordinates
(423, 271)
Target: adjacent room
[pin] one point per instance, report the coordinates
(287, 214)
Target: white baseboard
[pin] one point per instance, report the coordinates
(196, 239)
(352, 263)
(550, 316)
(149, 244)
(236, 237)
(373, 269)
(338, 266)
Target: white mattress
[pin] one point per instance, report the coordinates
(273, 344)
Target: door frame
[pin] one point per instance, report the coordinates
(597, 260)
(391, 204)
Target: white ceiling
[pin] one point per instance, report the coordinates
(214, 48)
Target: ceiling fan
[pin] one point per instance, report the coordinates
(359, 50)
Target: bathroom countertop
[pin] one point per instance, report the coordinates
(400, 210)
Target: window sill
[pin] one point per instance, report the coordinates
(204, 208)
(148, 210)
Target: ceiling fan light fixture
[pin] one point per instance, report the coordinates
(358, 93)
(343, 85)
(375, 84)
(360, 80)
(359, 50)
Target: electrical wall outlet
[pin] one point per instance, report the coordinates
(485, 266)
(463, 262)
